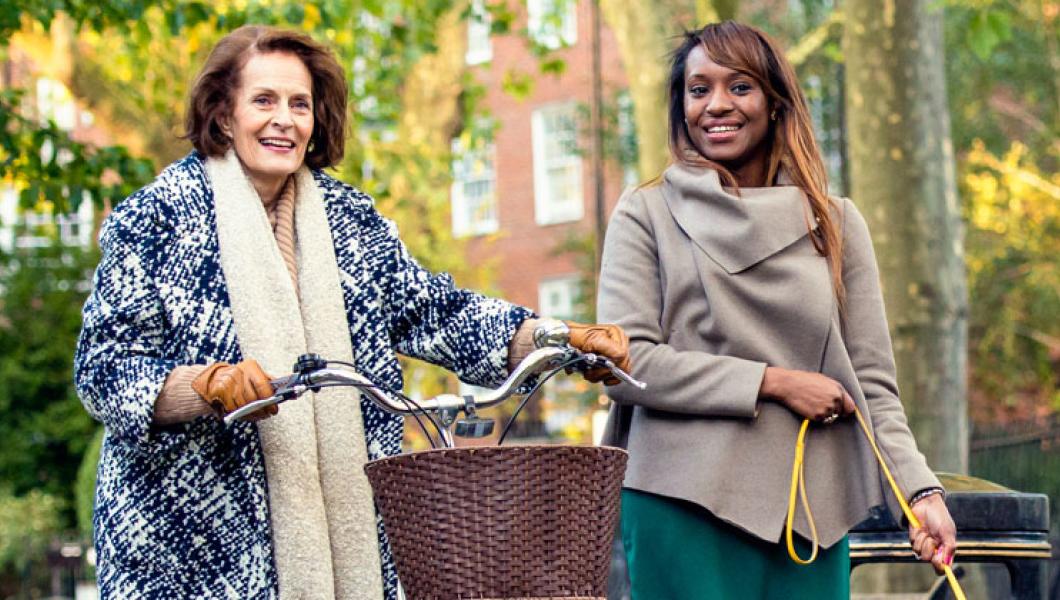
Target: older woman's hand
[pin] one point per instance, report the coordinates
(936, 538)
(605, 340)
(227, 387)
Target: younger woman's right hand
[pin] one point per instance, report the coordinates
(810, 395)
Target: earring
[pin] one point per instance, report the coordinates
(773, 115)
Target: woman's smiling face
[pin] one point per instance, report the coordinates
(272, 118)
(727, 115)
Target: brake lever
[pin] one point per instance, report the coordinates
(252, 407)
(285, 388)
(595, 360)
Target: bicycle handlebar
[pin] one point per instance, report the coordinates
(549, 358)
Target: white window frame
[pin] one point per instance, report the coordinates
(566, 287)
(21, 228)
(543, 29)
(473, 216)
(55, 102)
(479, 48)
(548, 160)
(8, 216)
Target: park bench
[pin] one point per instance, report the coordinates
(994, 525)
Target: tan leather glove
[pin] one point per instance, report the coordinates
(605, 340)
(227, 387)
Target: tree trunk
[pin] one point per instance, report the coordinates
(902, 177)
(646, 32)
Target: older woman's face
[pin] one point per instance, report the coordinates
(272, 118)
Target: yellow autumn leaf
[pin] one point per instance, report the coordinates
(311, 18)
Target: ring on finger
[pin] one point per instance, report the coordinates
(830, 418)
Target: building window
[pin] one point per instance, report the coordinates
(627, 140)
(478, 34)
(8, 216)
(553, 23)
(557, 297)
(557, 165)
(35, 229)
(561, 405)
(474, 192)
(56, 103)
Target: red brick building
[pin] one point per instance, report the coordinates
(531, 191)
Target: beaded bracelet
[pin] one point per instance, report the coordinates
(924, 493)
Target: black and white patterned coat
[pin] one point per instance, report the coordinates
(182, 511)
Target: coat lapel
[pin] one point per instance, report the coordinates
(737, 232)
(727, 236)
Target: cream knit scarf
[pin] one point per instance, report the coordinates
(322, 515)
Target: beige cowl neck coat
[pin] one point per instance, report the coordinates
(712, 288)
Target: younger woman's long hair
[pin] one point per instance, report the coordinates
(792, 146)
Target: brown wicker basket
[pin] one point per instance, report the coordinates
(501, 522)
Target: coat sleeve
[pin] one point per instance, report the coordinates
(118, 367)
(868, 344)
(631, 295)
(430, 318)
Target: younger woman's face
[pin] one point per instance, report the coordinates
(727, 115)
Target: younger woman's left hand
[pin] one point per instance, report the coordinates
(936, 539)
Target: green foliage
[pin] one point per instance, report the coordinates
(48, 166)
(83, 12)
(553, 66)
(1003, 86)
(45, 429)
(502, 17)
(85, 488)
(28, 523)
(1002, 80)
(987, 29)
(517, 84)
(1013, 212)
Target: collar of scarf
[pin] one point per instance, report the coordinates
(737, 232)
(320, 503)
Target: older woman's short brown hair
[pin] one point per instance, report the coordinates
(212, 95)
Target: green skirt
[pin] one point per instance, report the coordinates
(679, 550)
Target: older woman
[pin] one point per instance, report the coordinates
(234, 261)
(753, 303)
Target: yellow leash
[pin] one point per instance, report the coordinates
(798, 486)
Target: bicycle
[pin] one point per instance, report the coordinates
(487, 521)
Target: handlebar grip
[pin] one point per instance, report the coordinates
(640, 385)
